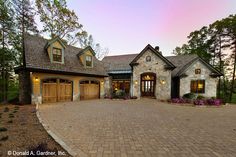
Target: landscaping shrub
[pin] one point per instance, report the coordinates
(3, 129)
(11, 115)
(200, 97)
(10, 121)
(42, 147)
(119, 94)
(199, 102)
(189, 96)
(6, 109)
(134, 97)
(178, 100)
(214, 102)
(4, 138)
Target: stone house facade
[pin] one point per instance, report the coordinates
(54, 72)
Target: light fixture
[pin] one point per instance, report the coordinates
(163, 82)
(136, 82)
(36, 79)
(102, 82)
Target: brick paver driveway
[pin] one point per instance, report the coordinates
(143, 128)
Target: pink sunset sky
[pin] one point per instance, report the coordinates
(127, 26)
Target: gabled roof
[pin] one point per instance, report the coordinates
(88, 48)
(169, 64)
(183, 62)
(53, 40)
(116, 64)
(38, 60)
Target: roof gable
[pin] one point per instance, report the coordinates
(215, 72)
(50, 42)
(88, 48)
(149, 47)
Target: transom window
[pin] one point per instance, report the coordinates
(57, 55)
(88, 61)
(197, 71)
(148, 59)
(197, 86)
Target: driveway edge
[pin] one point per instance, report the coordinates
(54, 136)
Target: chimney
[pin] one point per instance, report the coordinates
(157, 48)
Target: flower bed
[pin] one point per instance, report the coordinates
(198, 102)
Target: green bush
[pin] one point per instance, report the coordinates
(10, 121)
(189, 96)
(200, 97)
(4, 138)
(3, 129)
(6, 109)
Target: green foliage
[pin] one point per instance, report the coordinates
(58, 20)
(189, 96)
(4, 138)
(6, 109)
(200, 97)
(2, 129)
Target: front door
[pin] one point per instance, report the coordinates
(148, 83)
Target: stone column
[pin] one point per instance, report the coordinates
(24, 87)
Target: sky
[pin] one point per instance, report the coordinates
(127, 26)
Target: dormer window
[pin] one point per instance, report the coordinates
(57, 55)
(88, 60)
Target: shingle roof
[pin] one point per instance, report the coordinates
(121, 63)
(37, 58)
(118, 63)
(181, 61)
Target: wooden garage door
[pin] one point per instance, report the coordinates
(55, 90)
(89, 90)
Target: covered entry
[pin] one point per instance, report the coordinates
(56, 90)
(89, 89)
(148, 83)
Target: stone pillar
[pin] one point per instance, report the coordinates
(24, 87)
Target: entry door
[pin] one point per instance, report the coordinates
(147, 88)
(148, 82)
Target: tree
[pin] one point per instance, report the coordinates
(6, 56)
(58, 20)
(25, 24)
(87, 40)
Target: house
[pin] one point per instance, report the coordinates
(56, 72)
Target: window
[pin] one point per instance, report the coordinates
(148, 59)
(88, 61)
(198, 86)
(197, 71)
(57, 55)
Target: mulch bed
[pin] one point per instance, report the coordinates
(20, 131)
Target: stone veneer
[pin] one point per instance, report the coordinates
(210, 82)
(162, 91)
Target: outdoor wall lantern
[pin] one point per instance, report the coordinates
(136, 82)
(162, 80)
(102, 82)
(36, 79)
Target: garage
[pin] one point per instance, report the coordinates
(56, 90)
(89, 89)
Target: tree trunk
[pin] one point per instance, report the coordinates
(4, 68)
(232, 85)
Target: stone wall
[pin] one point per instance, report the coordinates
(24, 87)
(210, 83)
(162, 91)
